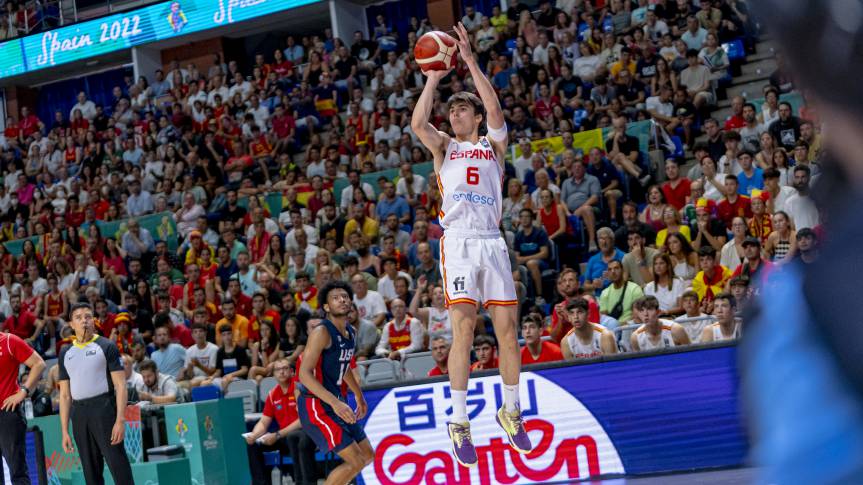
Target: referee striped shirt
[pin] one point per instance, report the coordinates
(88, 367)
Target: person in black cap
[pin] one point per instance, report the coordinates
(800, 369)
(93, 391)
(754, 261)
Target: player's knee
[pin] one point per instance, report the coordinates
(356, 461)
(533, 264)
(368, 458)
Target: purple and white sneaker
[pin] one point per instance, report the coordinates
(513, 426)
(462, 444)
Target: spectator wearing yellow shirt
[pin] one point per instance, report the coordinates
(710, 281)
(360, 222)
(499, 20)
(239, 324)
(199, 252)
(625, 61)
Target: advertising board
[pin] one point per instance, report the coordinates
(662, 413)
(153, 23)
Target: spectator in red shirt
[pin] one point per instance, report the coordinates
(22, 323)
(12, 130)
(74, 212)
(440, 354)
(242, 302)
(567, 288)
(535, 349)
(676, 189)
(754, 262)
(14, 353)
(733, 204)
(735, 121)
(30, 123)
(281, 406)
(486, 353)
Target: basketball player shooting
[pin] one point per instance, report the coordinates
(474, 258)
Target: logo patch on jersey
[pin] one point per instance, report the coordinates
(458, 283)
(90, 352)
(474, 154)
(473, 198)
(485, 143)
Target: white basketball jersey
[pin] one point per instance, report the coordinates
(581, 350)
(470, 182)
(717, 333)
(645, 341)
(439, 324)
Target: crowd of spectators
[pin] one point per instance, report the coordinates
(598, 240)
(24, 17)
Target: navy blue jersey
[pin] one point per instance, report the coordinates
(335, 360)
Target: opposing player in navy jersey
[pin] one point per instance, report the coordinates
(326, 363)
(474, 257)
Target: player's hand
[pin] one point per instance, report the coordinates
(463, 42)
(436, 75)
(395, 355)
(269, 439)
(362, 408)
(118, 432)
(11, 402)
(422, 283)
(345, 412)
(250, 439)
(67, 444)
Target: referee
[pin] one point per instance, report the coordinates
(93, 387)
(13, 353)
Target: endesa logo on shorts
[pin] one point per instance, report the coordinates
(408, 431)
(473, 198)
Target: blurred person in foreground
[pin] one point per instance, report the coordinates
(803, 344)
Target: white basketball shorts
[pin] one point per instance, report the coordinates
(475, 269)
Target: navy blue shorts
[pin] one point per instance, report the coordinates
(327, 430)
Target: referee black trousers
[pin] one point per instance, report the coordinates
(13, 434)
(92, 423)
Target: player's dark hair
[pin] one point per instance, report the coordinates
(578, 303)
(727, 297)
(149, 365)
(161, 319)
(649, 302)
(464, 97)
(79, 305)
(484, 339)
(334, 285)
(707, 250)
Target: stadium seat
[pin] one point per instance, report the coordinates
(243, 385)
(267, 385)
(248, 396)
(416, 365)
(379, 371)
(206, 393)
(622, 334)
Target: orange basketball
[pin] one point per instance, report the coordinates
(436, 51)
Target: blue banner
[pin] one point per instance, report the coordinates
(153, 23)
(660, 413)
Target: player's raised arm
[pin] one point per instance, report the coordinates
(495, 121)
(433, 139)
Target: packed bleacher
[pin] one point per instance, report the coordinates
(24, 17)
(267, 182)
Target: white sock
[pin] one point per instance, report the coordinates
(459, 406)
(510, 397)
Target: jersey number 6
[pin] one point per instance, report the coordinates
(473, 175)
